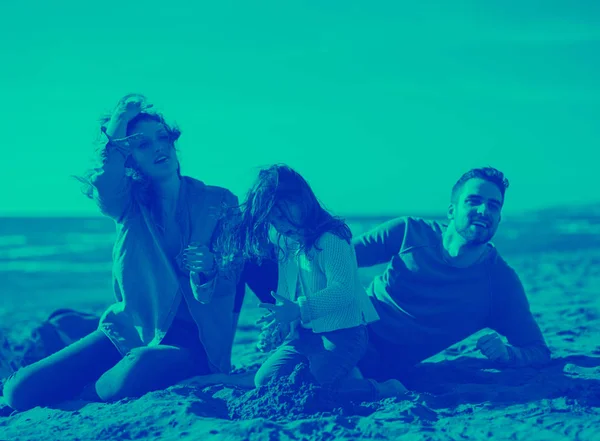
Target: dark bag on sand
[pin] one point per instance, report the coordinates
(63, 327)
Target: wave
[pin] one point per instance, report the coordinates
(54, 266)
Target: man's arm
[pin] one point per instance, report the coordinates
(511, 317)
(381, 243)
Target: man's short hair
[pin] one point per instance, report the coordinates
(489, 174)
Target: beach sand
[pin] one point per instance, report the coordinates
(455, 395)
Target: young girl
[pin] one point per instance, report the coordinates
(319, 298)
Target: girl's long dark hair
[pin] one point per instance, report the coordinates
(277, 185)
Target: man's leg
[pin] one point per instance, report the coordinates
(261, 279)
(62, 375)
(381, 367)
(382, 360)
(240, 293)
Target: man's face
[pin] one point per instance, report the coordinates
(477, 210)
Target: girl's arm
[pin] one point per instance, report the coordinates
(337, 260)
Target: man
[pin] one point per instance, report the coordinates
(443, 284)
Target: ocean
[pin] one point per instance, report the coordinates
(49, 261)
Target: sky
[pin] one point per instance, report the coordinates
(380, 105)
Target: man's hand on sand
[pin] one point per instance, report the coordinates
(492, 346)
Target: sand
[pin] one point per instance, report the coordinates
(455, 395)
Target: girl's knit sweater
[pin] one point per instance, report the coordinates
(330, 295)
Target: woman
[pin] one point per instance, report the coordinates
(174, 317)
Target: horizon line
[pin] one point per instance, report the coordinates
(68, 215)
(416, 213)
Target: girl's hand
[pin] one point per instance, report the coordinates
(272, 334)
(199, 259)
(284, 311)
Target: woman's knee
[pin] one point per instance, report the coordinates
(22, 391)
(121, 381)
(107, 390)
(62, 375)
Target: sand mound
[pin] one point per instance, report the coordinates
(459, 397)
(296, 398)
(289, 398)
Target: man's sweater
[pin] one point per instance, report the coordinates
(426, 304)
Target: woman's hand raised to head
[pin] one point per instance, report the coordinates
(127, 108)
(124, 144)
(131, 106)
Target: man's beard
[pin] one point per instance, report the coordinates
(474, 235)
